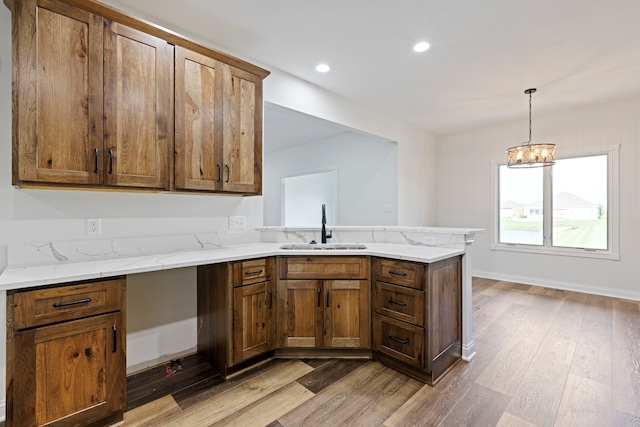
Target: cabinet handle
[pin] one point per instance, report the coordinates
(270, 298)
(398, 340)
(219, 166)
(402, 304)
(228, 172)
(397, 273)
(251, 273)
(96, 152)
(319, 294)
(66, 304)
(115, 339)
(110, 161)
(327, 297)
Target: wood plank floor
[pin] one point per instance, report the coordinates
(545, 358)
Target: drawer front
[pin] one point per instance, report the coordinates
(399, 272)
(67, 302)
(399, 302)
(400, 340)
(254, 271)
(323, 267)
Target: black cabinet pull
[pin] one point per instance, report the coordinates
(327, 297)
(96, 152)
(319, 294)
(402, 304)
(110, 161)
(219, 166)
(397, 273)
(398, 340)
(115, 339)
(66, 304)
(228, 172)
(251, 273)
(270, 298)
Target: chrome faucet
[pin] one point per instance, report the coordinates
(324, 236)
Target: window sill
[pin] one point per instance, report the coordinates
(580, 253)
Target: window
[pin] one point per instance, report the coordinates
(569, 208)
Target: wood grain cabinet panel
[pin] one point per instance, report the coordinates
(198, 115)
(58, 87)
(252, 320)
(68, 369)
(138, 109)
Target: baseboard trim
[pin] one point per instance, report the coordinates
(565, 286)
(468, 351)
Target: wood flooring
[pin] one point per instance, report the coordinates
(544, 358)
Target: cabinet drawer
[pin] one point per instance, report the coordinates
(60, 303)
(398, 339)
(323, 267)
(253, 271)
(400, 302)
(399, 272)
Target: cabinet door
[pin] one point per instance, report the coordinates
(347, 319)
(300, 313)
(57, 120)
(252, 320)
(73, 369)
(198, 113)
(242, 146)
(138, 133)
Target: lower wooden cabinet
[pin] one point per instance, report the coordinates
(235, 313)
(70, 372)
(324, 302)
(417, 323)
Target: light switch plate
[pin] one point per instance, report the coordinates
(237, 222)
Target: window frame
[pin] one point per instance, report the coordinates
(613, 203)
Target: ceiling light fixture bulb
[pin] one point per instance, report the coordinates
(322, 68)
(421, 47)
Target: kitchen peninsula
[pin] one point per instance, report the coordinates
(395, 244)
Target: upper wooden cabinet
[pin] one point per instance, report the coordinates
(58, 87)
(93, 104)
(218, 126)
(138, 71)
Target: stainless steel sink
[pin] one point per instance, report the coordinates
(323, 246)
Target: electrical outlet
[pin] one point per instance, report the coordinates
(94, 227)
(387, 208)
(429, 240)
(237, 222)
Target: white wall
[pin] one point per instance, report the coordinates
(367, 177)
(464, 189)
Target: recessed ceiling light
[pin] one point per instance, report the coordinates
(322, 68)
(421, 47)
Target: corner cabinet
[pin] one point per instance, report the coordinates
(323, 302)
(417, 317)
(236, 313)
(94, 104)
(218, 126)
(66, 354)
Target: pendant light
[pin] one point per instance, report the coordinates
(530, 155)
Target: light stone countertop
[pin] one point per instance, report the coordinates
(31, 276)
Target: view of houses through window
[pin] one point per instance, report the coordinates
(575, 207)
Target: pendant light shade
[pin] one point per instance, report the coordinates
(530, 155)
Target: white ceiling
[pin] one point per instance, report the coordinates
(483, 54)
